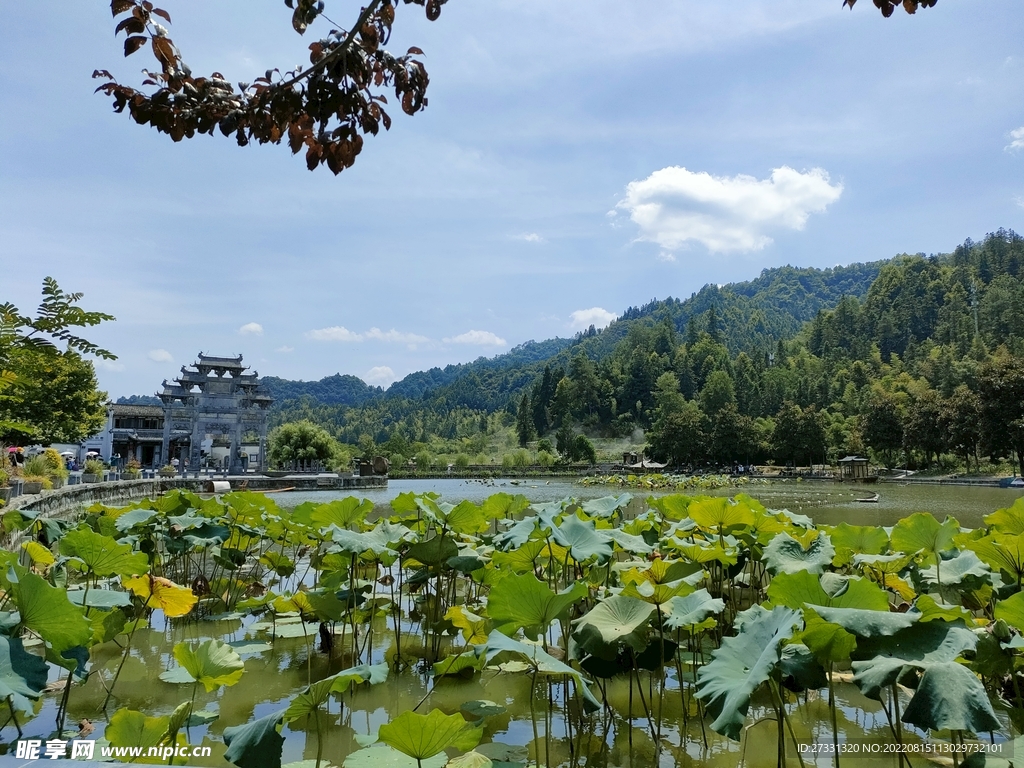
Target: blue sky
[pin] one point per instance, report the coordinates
(576, 158)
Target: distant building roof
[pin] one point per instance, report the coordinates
(852, 459)
(146, 411)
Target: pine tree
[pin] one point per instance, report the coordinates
(524, 421)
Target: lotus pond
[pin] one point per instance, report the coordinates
(612, 631)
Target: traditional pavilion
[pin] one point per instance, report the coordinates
(215, 398)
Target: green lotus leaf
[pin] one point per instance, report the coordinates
(656, 594)
(784, 554)
(614, 622)
(866, 622)
(672, 507)
(1011, 610)
(827, 641)
(212, 663)
(136, 517)
(279, 563)
(423, 736)
(517, 536)
(541, 661)
(953, 572)
(317, 694)
(128, 728)
(467, 562)
(504, 753)
(106, 625)
(341, 512)
(720, 515)
(101, 555)
(800, 669)
(503, 505)
(691, 609)
(742, 663)
(470, 760)
(527, 603)
(47, 611)
(921, 532)
(355, 543)
(929, 609)
(326, 605)
(434, 552)
(458, 664)
(607, 506)
(850, 540)
(467, 518)
(795, 590)
(258, 744)
(1002, 552)
(951, 697)
(207, 535)
(698, 553)
(186, 522)
(104, 599)
(583, 540)
(481, 708)
(22, 675)
(884, 564)
(1009, 520)
(628, 542)
(881, 661)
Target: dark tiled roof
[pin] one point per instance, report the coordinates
(150, 411)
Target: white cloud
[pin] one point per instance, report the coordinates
(394, 336)
(596, 316)
(254, 329)
(480, 338)
(1016, 138)
(674, 206)
(285, 348)
(334, 333)
(341, 333)
(530, 237)
(108, 365)
(666, 256)
(380, 375)
(160, 356)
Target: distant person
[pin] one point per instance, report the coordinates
(174, 463)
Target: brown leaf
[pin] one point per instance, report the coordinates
(162, 14)
(910, 6)
(414, 51)
(163, 49)
(132, 44)
(133, 25)
(433, 9)
(117, 7)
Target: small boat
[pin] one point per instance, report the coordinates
(869, 500)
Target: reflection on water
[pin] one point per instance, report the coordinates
(566, 738)
(827, 503)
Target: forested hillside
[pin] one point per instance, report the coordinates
(916, 360)
(459, 400)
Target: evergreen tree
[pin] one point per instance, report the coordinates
(525, 429)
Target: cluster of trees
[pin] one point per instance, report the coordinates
(914, 360)
(48, 388)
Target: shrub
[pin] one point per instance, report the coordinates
(93, 467)
(55, 464)
(167, 470)
(5, 478)
(508, 461)
(521, 458)
(462, 461)
(545, 445)
(36, 467)
(545, 459)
